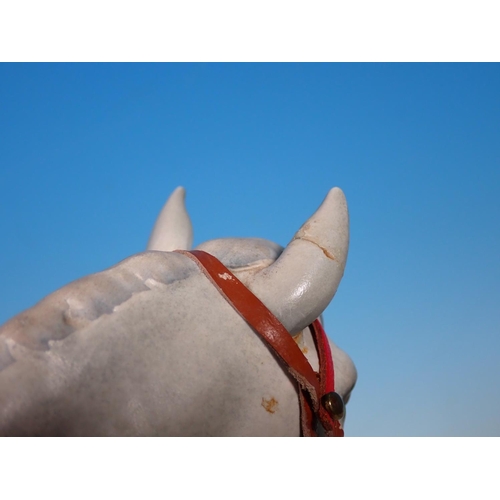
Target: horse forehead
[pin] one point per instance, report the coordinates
(238, 253)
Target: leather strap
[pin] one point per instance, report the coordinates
(263, 321)
(326, 376)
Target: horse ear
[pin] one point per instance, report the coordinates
(303, 280)
(173, 229)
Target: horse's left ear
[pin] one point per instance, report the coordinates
(173, 229)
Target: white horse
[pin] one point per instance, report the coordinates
(150, 347)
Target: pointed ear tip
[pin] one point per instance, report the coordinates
(337, 196)
(179, 194)
(336, 190)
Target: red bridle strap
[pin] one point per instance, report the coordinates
(326, 377)
(263, 321)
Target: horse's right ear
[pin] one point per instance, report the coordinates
(303, 280)
(173, 229)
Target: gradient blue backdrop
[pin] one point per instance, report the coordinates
(89, 154)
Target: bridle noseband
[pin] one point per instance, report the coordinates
(317, 397)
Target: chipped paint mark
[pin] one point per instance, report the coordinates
(299, 340)
(328, 254)
(225, 276)
(270, 405)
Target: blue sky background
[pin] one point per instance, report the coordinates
(89, 154)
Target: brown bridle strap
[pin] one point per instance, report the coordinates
(277, 338)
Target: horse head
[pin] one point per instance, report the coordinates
(150, 346)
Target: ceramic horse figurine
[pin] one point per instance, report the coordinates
(149, 346)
